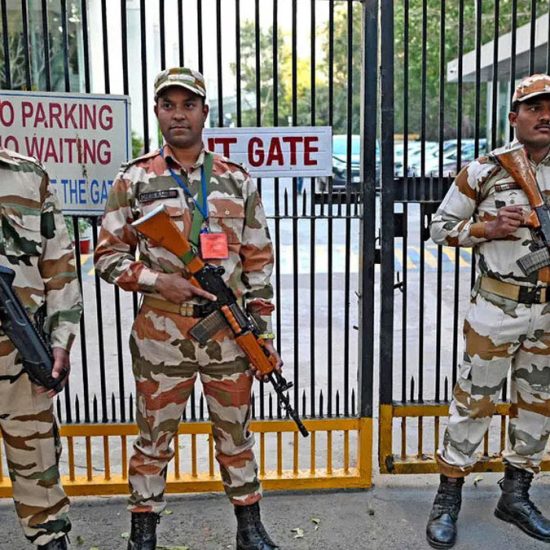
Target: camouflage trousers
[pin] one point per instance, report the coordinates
(166, 364)
(501, 336)
(33, 447)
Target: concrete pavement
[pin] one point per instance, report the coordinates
(390, 516)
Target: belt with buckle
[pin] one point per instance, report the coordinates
(185, 310)
(518, 293)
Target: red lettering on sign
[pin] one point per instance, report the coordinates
(309, 149)
(275, 155)
(55, 115)
(40, 117)
(7, 113)
(26, 112)
(226, 143)
(256, 155)
(293, 140)
(106, 117)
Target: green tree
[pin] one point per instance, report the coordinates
(432, 38)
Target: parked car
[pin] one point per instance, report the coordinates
(450, 156)
(340, 163)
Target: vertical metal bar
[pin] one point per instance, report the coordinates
(65, 36)
(219, 59)
(513, 47)
(421, 282)
(387, 192)
(105, 44)
(477, 108)
(180, 33)
(295, 294)
(405, 240)
(456, 297)
(199, 35)
(238, 55)
(46, 45)
(439, 277)
(367, 274)
(277, 221)
(162, 32)
(312, 295)
(85, 49)
(495, 83)
(329, 217)
(347, 237)
(144, 95)
(101, 341)
(26, 43)
(6, 44)
(532, 35)
(124, 45)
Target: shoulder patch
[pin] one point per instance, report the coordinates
(238, 165)
(131, 162)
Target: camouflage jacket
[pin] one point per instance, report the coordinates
(34, 242)
(479, 190)
(234, 207)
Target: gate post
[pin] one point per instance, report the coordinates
(387, 234)
(369, 41)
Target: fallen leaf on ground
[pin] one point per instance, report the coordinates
(125, 535)
(79, 540)
(167, 512)
(299, 532)
(477, 479)
(316, 521)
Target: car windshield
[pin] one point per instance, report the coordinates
(340, 142)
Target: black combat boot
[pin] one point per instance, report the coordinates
(251, 534)
(56, 544)
(441, 528)
(516, 507)
(143, 535)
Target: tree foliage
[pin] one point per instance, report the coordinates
(308, 97)
(436, 15)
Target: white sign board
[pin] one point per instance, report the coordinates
(81, 139)
(276, 152)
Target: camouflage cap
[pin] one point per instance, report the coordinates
(180, 76)
(531, 86)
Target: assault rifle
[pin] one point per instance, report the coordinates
(35, 352)
(225, 311)
(514, 160)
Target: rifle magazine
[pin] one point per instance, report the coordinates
(534, 261)
(205, 329)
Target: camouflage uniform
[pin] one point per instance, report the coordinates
(166, 361)
(499, 331)
(34, 242)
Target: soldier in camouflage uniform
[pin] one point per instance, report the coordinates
(507, 325)
(34, 243)
(166, 361)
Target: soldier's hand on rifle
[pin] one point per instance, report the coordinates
(508, 219)
(271, 348)
(61, 367)
(176, 289)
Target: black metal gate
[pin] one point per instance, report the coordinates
(449, 70)
(269, 63)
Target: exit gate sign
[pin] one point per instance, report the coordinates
(275, 152)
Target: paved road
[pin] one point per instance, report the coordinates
(391, 516)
